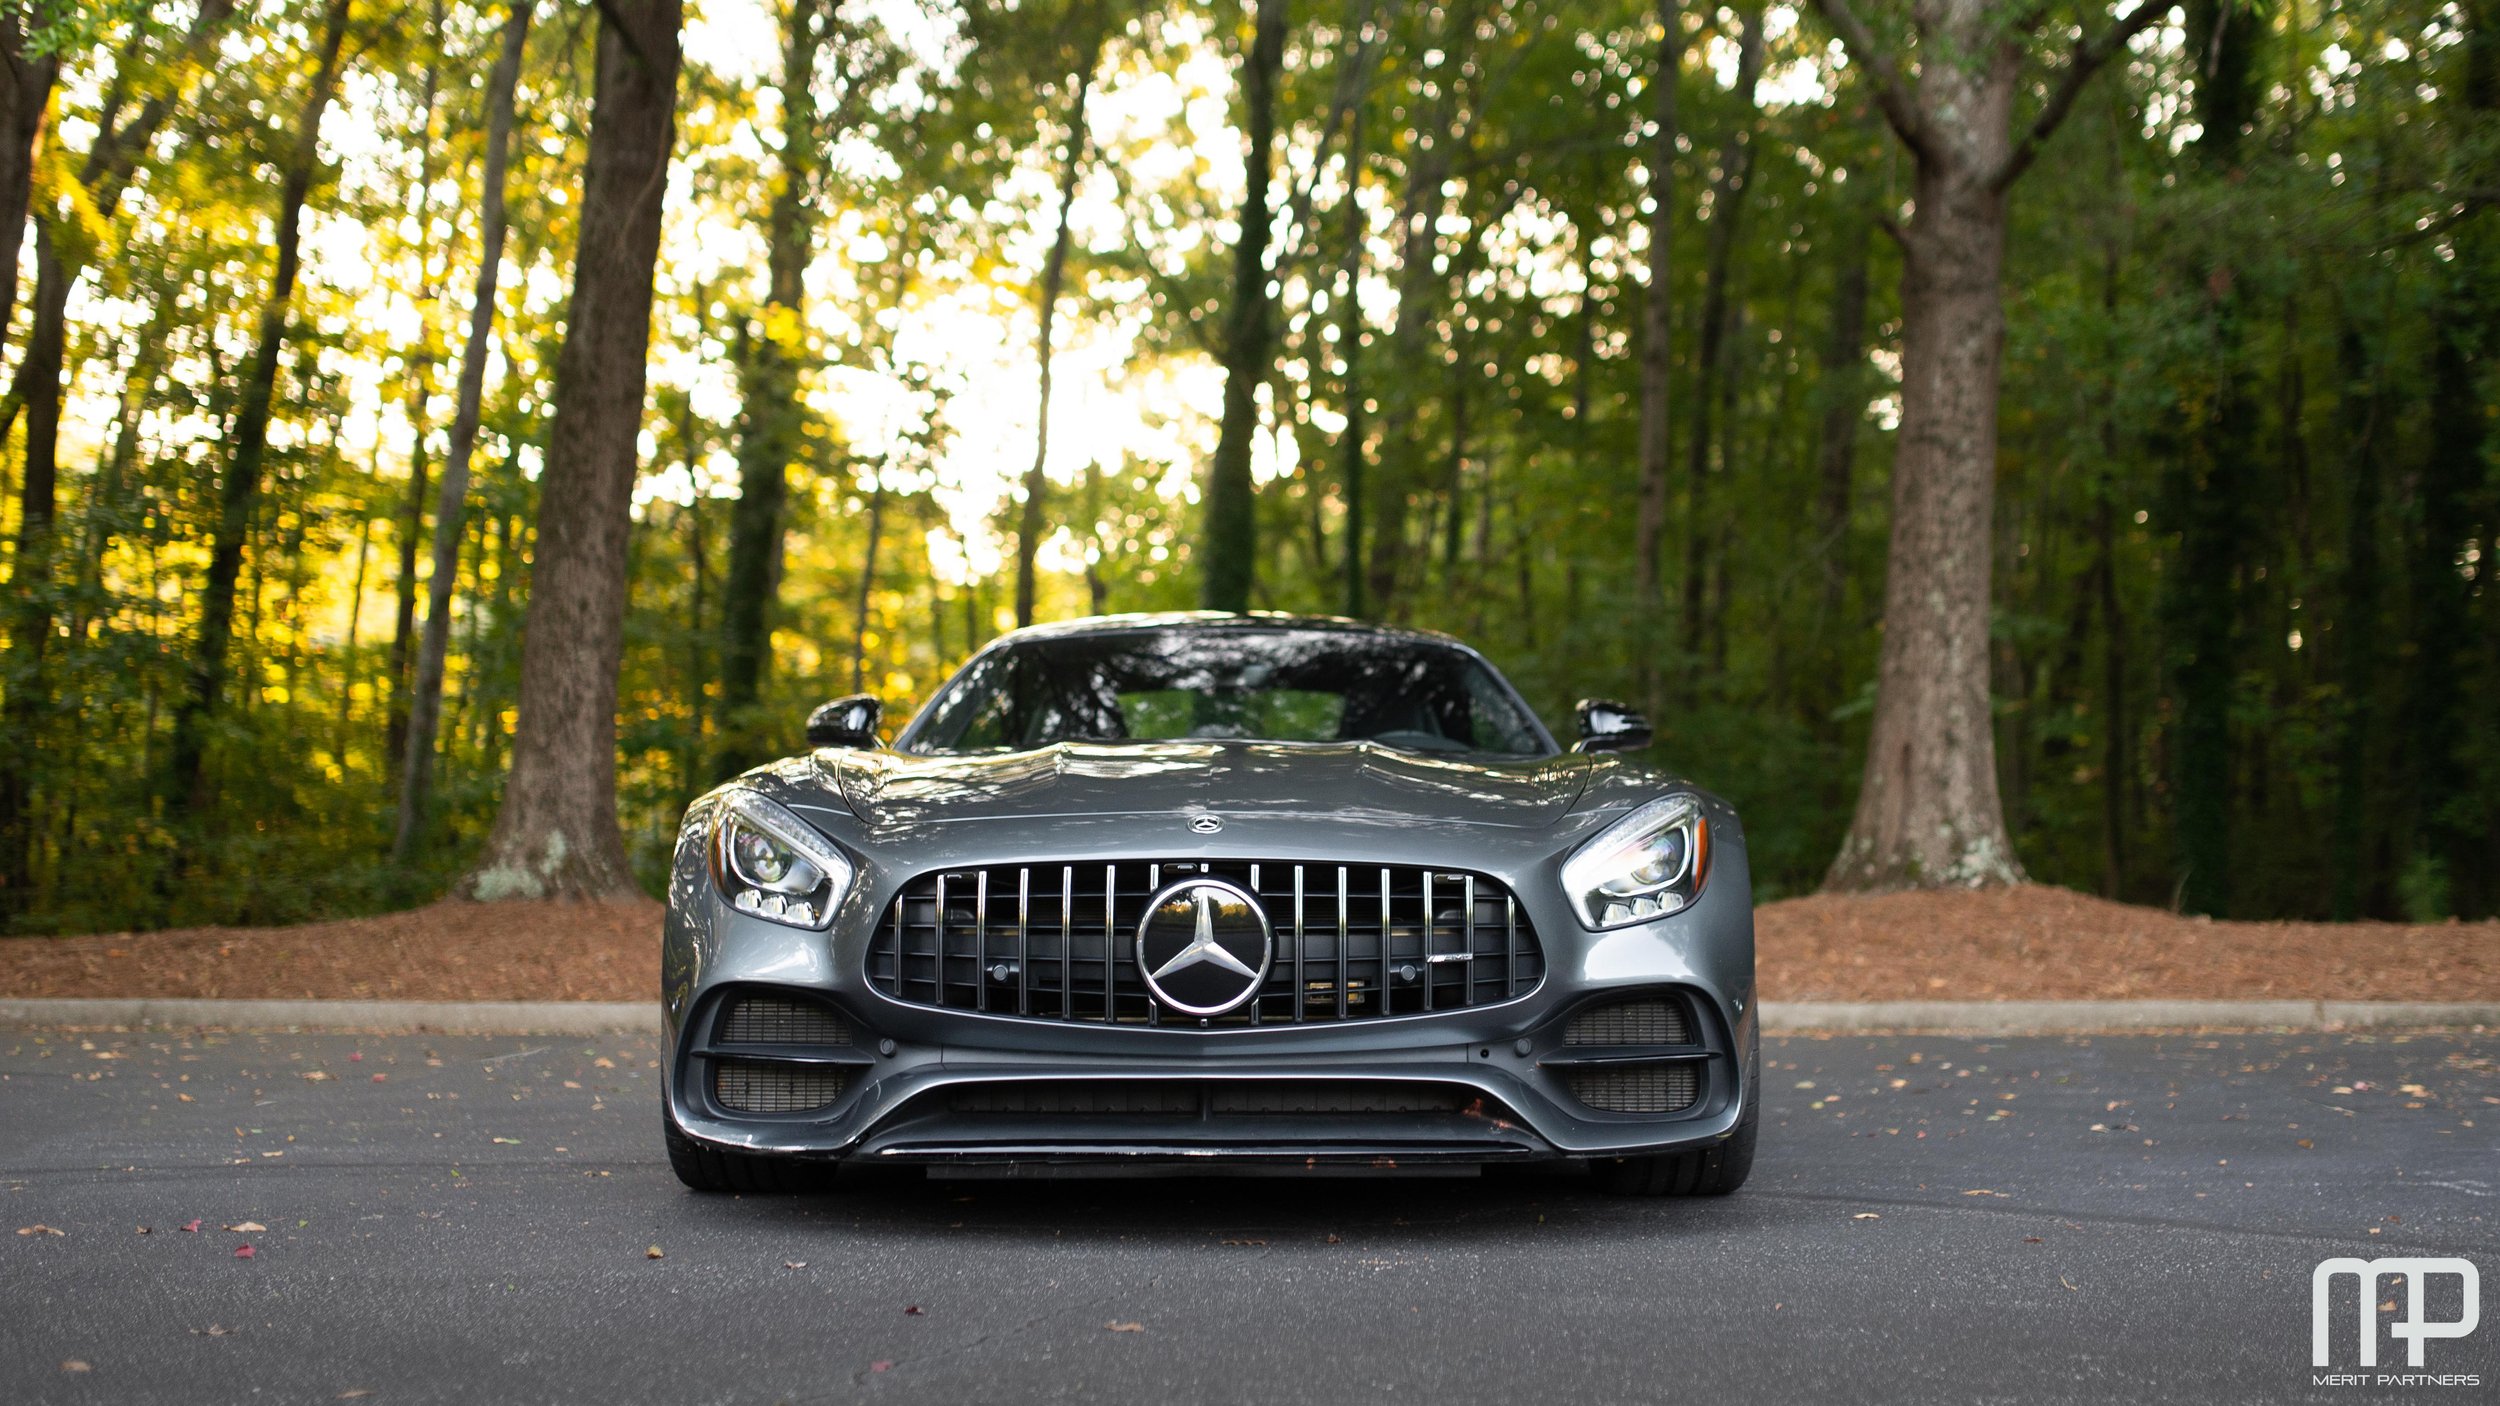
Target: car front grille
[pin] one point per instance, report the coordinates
(756, 1086)
(1057, 941)
(1637, 1088)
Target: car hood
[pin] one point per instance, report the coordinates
(1350, 780)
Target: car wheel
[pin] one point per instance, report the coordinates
(1709, 1171)
(711, 1169)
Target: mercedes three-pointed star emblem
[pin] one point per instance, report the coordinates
(1204, 946)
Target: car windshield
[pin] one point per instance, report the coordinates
(1279, 685)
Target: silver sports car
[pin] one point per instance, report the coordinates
(1256, 891)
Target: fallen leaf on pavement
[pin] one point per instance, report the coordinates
(247, 1227)
(2031, 1240)
(74, 1365)
(243, 1252)
(39, 1230)
(146, 1230)
(794, 1264)
(652, 1254)
(354, 1392)
(881, 1365)
(1118, 1327)
(913, 1311)
(1866, 1215)
(1983, 1191)
(193, 1228)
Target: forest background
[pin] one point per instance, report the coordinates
(1655, 349)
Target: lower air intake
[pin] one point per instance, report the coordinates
(778, 1020)
(1655, 1021)
(753, 1086)
(1640, 1088)
(1083, 1097)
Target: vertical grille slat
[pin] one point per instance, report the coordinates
(1391, 940)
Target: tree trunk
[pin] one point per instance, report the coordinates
(556, 834)
(2357, 627)
(2210, 485)
(1657, 356)
(1727, 206)
(420, 397)
(867, 585)
(31, 614)
(1350, 447)
(1929, 814)
(25, 96)
(2450, 488)
(1230, 540)
(773, 435)
(186, 784)
(425, 698)
(1054, 278)
(1841, 387)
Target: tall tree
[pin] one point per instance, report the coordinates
(1229, 543)
(61, 254)
(2212, 479)
(1710, 368)
(186, 776)
(1928, 812)
(1029, 524)
(425, 702)
(772, 434)
(26, 80)
(1657, 450)
(556, 833)
(420, 392)
(2454, 513)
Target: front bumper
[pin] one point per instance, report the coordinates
(940, 1087)
(1491, 1083)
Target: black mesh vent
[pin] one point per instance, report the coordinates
(1194, 1100)
(1057, 941)
(1639, 1088)
(1656, 1021)
(753, 1086)
(776, 1020)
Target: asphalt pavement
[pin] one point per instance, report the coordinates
(465, 1219)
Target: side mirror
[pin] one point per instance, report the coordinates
(845, 722)
(1608, 726)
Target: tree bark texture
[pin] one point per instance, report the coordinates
(556, 834)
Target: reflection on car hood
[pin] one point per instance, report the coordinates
(1351, 779)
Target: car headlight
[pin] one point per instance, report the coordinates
(1649, 864)
(770, 863)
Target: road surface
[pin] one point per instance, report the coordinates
(474, 1220)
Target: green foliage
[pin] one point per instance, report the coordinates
(1500, 270)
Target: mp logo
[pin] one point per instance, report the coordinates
(2413, 1327)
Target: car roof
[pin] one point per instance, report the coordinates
(1215, 620)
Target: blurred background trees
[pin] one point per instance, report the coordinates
(2240, 639)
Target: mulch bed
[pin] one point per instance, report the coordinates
(2031, 942)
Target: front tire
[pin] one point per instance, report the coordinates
(714, 1170)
